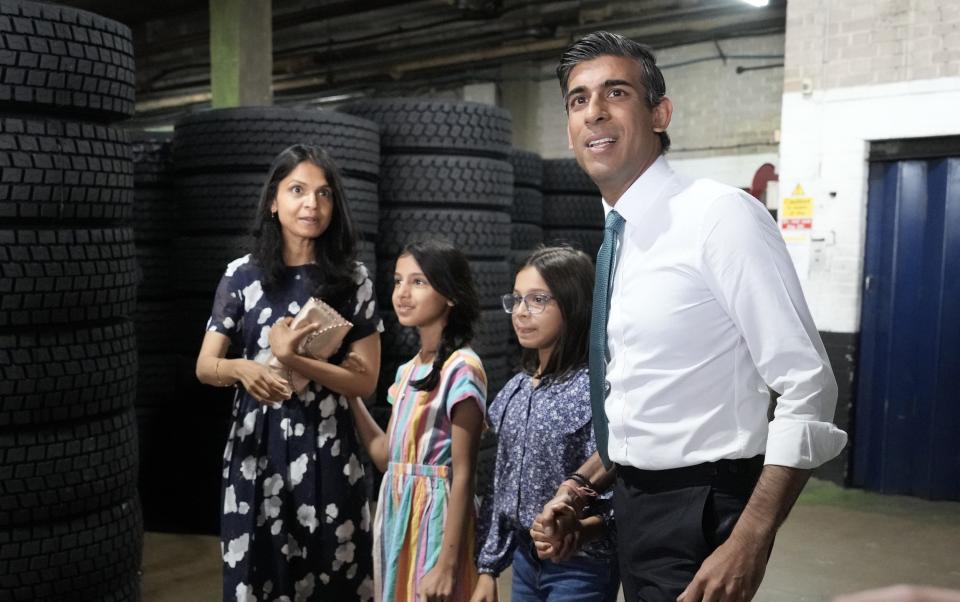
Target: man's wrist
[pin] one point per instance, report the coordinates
(581, 490)
(574, 495)
(753, 532)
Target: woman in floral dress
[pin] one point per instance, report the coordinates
(296, 523)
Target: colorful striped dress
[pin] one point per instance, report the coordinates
(412, 507)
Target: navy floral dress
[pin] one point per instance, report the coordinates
(296, 523)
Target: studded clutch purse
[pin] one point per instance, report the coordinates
(325, 338)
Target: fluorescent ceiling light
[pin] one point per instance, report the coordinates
(757, 3)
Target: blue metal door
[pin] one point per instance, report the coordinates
(907, 413)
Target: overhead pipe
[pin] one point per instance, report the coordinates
(428, 59)
(399, 69)
(742, 69)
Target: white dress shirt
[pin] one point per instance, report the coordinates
(706, 310)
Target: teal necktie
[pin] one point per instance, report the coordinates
(599, 353)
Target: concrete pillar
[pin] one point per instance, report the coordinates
(485, 92)
(241, 53)
(532, 95)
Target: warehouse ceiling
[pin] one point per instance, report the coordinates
(330, 49)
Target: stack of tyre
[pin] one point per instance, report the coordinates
(572, 212)
(444, 174)
(526, 212)
(221, 159)
(154, 228)
(526, 226)
(70, 524)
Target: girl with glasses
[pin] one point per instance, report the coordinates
(543, 421)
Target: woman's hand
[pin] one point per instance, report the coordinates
(285, 339)
(260, 382)
(437, 584)
(486, 590)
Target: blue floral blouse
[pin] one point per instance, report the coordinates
(544, 435)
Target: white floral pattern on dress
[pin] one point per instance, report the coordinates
(236, 550)
(307, 516)
(299, 534)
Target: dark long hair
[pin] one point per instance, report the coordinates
(335, 249)
(448, 272)
(604, 43)
(569, 274)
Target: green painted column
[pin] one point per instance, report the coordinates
(241, 53)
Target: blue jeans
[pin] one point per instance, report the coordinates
(580, 579)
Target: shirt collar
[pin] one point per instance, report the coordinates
(643, 192)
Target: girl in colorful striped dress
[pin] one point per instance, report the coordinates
(424, 525)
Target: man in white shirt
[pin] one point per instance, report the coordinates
(705, 310)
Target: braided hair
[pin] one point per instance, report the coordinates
(448, 272)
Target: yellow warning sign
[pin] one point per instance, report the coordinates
(797, 207)
(796, 211)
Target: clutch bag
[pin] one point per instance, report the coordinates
(327, 333)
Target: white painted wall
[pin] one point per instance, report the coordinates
(824, 146)
(735, 170)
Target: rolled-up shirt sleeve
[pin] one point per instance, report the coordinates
(747, 267)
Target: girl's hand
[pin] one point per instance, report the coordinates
(260, 382)
(486, 590)
(437, 584)
(354, 362)
(284, 340)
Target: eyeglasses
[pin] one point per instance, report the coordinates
(535, 302)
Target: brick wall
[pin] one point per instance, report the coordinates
(864, 42)
(716, 110)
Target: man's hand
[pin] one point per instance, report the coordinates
(553, 528)
(735, 569)
(566, 539)
(731, 574)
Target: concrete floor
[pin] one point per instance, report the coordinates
(835, 541)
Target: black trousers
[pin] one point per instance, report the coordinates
(669, 521)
